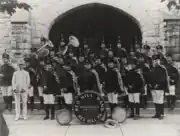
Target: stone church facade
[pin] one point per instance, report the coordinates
(49, 15)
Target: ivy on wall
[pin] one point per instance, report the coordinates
(10, 6)
(172, 3)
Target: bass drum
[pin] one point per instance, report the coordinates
(64, 117)
(119, 114)
(89, 107)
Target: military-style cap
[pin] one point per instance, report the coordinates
(140, 55)
(33, 49)
(168, 55)
(110, 61)
(27, 59)
(62, 43)
(5, 56)
(133, 61)
(87, 61)
(146, 46)
(160, 47)
(156, 57)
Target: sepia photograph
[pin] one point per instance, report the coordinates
(89, 67)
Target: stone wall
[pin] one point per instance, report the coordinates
(149, 14)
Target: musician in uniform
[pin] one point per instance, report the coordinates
(120, 51)
(33, 83)
(101, 69)
(115, 86)
(7, 72)
(86, 49)
(173, 79)
(69, 85)
(134, 84)
(41, 80)
(158, 81)
(159, 49)
(103, 50)
(49, 90)
(80, 65)
(144, 70)
(89, 79)
(21, 84)
(146, 54)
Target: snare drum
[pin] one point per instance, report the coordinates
(119, 114)
(64, 117)
(89, 107)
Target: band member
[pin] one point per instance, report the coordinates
(49, 91)
(41, 80)
(21, 84)
(86, 49)
(61, 73)
(80, 65)
(134, 83)
(7, 72)
(34, 58)
(120, 51)
(146, 54)
(137, 49)
(101, 69)
(159, 49)
(33, 83)
(62, 49)
(124, 71)
(103, 50)
(115, 86)
(69, 85)
(173, 77)
(159, 85)
(87, 80)
(144, 70)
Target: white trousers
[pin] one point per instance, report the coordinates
(158, 96)
(134, 97)
(68, 98)
(18, 98)
(49, 99)
(31, 91)
(112, 98)
(172, 92)
(7, 91)
(40, 91)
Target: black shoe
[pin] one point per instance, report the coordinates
(131, 116)
(52, 117)
(46, 117)
(155, 116)
(136, 117)
(161, 117)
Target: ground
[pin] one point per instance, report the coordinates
(146, 126)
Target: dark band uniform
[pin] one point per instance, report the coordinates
(159, 85)
(173, 74)
(134, 83)
(87, 80)
(6, 80)
(146, 57)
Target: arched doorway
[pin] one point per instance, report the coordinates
(93, 21)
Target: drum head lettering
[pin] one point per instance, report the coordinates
(89, 107)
